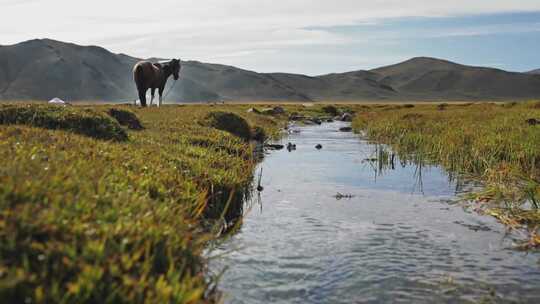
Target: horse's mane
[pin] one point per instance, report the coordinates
(162, 64)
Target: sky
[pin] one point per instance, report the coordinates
(300, 36)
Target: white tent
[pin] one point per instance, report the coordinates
(58, 101)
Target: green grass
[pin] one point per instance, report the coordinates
(107, 204)
(81, 121)
(229, 122)
(489, 142)
(88, 218)
(126, 118)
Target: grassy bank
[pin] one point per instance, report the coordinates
(494, 143)
(114, 206)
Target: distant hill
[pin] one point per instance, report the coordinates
(359, 85)
(434, 78)
(43, 68)
(534, 72)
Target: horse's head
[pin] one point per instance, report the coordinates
(175, 68)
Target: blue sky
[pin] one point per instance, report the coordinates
(301, 36)
(509, 41)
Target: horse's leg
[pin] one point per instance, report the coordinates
(161, 95)
(142, 96)
(153, 90)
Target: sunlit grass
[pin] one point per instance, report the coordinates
(92, 219)
(101, 212)
(490, 142)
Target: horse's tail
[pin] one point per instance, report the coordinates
(138, 76)
(140, 82)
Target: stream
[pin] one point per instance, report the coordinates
(402, 236)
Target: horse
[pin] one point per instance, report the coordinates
(154, 76)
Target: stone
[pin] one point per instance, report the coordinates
(253, 110)
(291, 147)
(316, 120)
(278, 110)
(274, 146)
(346, 117)
(273, 111)
(533, 121)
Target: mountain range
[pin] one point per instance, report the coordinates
(41, 69)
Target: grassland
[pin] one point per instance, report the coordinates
(492, 143)
(99, 210)
(115, 204)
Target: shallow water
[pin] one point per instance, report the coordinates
(399, 239)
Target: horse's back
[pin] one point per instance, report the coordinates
(144, 73)
(144, 66)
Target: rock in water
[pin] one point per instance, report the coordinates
(340, 196)
(291, 147)
(346, 117)
(312, 121)
(274, 146)
(318, 146)
(345, 129)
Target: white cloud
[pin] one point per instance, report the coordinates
(208, 29)
(488, 30)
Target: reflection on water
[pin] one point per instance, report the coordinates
(395, 239)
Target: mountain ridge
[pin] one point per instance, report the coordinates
(45, 68)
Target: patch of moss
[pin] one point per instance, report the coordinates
(331, 110)
(509, 104)
(126, 118)
(229, 122)
(258, 134)
(86, 122)
(442, 106)
(412, 116)
(534, 104)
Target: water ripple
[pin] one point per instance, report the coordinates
(389, 243)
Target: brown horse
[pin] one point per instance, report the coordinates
(154, 76)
